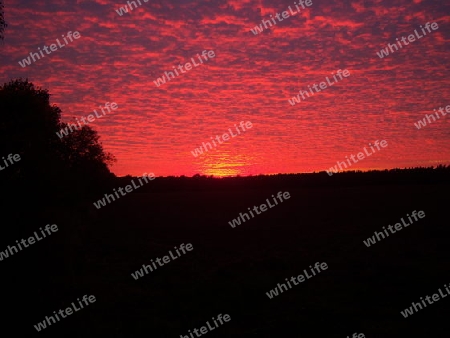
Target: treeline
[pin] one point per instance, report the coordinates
(409, 176)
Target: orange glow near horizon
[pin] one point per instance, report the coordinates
(155, 129)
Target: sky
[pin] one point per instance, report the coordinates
(251, 77)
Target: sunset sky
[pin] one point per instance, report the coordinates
(251, 78)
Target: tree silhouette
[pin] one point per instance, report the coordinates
(3, 24)
(82, 150)
(28, 126)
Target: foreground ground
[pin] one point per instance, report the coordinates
(230, 269)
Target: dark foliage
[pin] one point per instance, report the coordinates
(55, 166)
(3, 23)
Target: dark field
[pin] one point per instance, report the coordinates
(230, 270)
